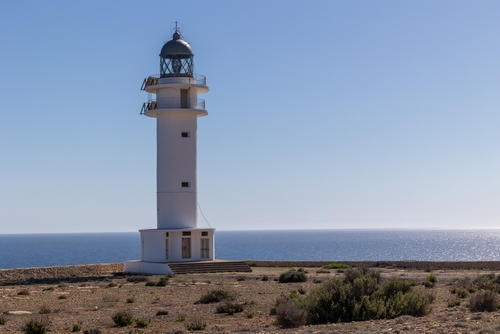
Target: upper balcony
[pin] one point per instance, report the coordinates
(153, 80)
(165, 104)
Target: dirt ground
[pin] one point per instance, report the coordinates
(91, 301)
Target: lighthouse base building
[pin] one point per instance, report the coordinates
(161, 247)
(174, 103)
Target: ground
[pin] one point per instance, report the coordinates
(91, 301)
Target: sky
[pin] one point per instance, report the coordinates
(322, 114)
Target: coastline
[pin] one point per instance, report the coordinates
(89, 296)
(108, 269)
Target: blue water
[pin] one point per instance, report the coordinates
(40, 250)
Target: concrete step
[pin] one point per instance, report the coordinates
(209, 267)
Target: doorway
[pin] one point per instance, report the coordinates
(205, 249)
(186, 248)
(184, 98)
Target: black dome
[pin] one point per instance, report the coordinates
(176, 46)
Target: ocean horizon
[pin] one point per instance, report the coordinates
(57, 249)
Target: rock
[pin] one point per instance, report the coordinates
(17, 312)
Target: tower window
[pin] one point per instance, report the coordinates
(186, 184)
(185, 234)
(185, 135)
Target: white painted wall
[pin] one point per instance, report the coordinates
(154, 245)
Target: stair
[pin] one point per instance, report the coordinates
(209, 267)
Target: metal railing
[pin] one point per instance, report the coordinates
(173, 103)
(152, 80)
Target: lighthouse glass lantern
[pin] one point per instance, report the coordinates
(175, 105)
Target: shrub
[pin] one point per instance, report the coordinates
(360, 296)
(454, 303)
(302, 291)
(196, 325)
(2, 319)
(462, 293)
(150, 283)
(230, 308)
(23, 292)
(92, 331)
(161, 312)
(250, 315)
(288, 314)
(351, 274)
(265, 278)
(76, 328)
(130, 300)
(322, 271)
(62, 297)
(163, 281)
(122, 319)
(292, 276)
(141, 323)
(432, 278)
(214, 296)
(483, 301)
(137, 279)
(36, 326)
(241, 279)
(336, 266)
(112, 285)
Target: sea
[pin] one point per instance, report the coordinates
(43, 250)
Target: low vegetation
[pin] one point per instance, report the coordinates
(292, 276)
(358, 296)
(230, 308)
(196, 325)
(122, 319)
(483, 301)
(36, 326)
(215, 296)
(336, 266)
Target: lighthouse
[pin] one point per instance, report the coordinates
(173, 102)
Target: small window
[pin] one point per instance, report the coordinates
(186, 184)
(204, 234)
(185, 234)
(166, 234)
(185, 134)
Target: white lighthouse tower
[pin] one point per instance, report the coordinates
(175, 104)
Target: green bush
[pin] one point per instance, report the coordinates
(454, 303)
(214, 296)
(289, 314)
(360, 296)
(292, 276)
(163, 281)
(36, 326)
(230, 308)
(336, 266)
(122, 319)
(150, 283)
(196, 325)
(141, 323)
(483, 301)
(76, 328)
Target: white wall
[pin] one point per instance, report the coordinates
(154, 245)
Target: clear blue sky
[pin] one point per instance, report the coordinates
(322, 114)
